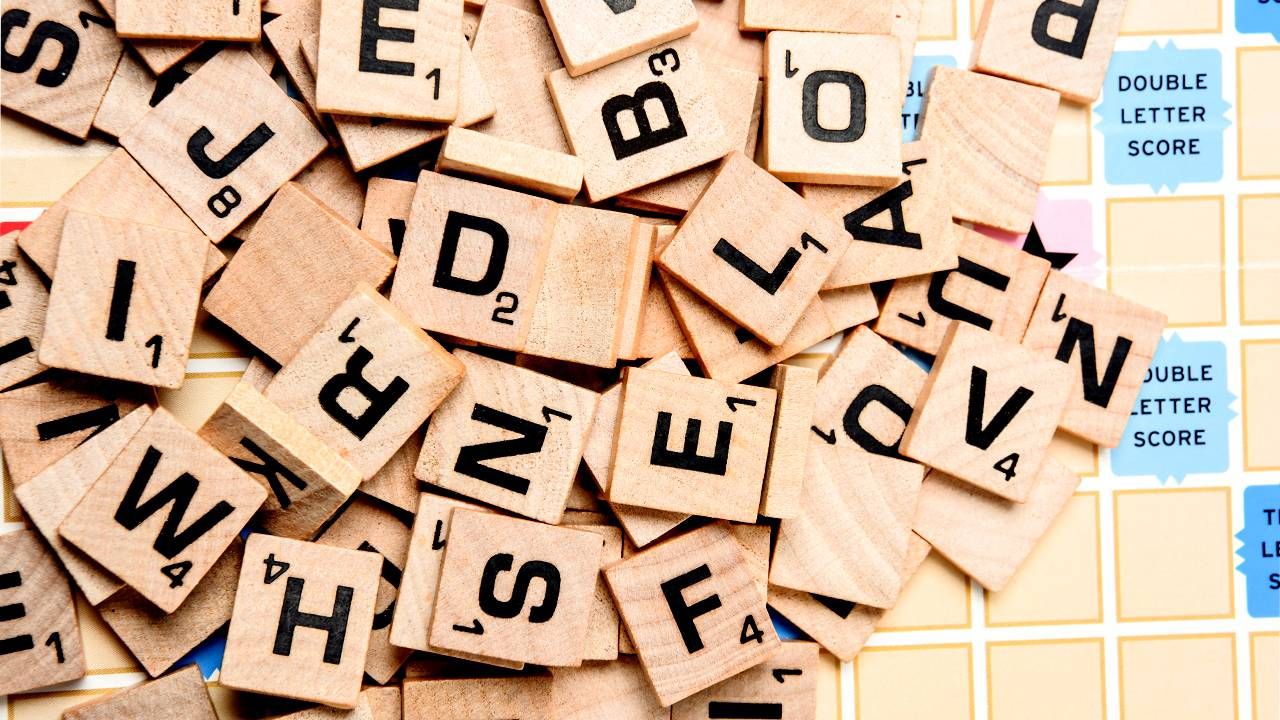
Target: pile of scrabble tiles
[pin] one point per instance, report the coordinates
(518, 440)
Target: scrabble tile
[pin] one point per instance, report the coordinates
(306, 480)
(472, 261)
(850, 539)
(508, 437)
(64, 89)
(158, 640)
(115, 188)
(515, 50)
(899, 232)
(367, 348)
(992, 287)
(522, 697)
(617, 690)
(907, 17)
(189, 19)
(1068, 675)
(694, 611)
(604, 625)
(992, 136)
(473, 616)
(797, 388)
(52, 494)
(300, 263)
(286, 34)
(1011, 401)
(275, 142)
(395, 484)
(364, 525)
(115, 527)
(400, 65)
(784, 686)
(597, 453)
(41, 644)
(123, 303)
(1098, 325)
(1062, 47)
(386, 212)
(875, 16)
(986, 536)
(745, 218)
(639, 275)
(691, 473)
(158, 55)
(335, 185)
(719, 39)
(287, 637)
(468, 152)
(1178, 677)
(581, 304)
(592, 35)
(179, 695)
(609, 118)
(659, 332)
(362, 711)
(848, 134)
(840, 626)
(23, 302)
(135, 89)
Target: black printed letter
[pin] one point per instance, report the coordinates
(530, 571)
(857, 106)
(371, 32)
(684, 613)
(470, 457)
(380, 401)
(454, 224)
(291, 617)
(46, 30)
(1083, 15)
(646, 138)
(688, 458)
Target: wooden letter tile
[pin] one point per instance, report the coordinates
(992, 136)
(387, 204)
(784, 687)
(190, 19)
(365, 381)
(23, 303)
(302, 620)
(224, 141)
(1107, 341)
(994, 286)
(617, 690)
(515, 589)
(641, 119)
(522, 697)
(555, 174)
(694, 611)
(306, 480)
(831, 115)
(691, 445)
(39, 635)
(755, 249)
(164, 511)
(1064, 47)
(58, 62)
(595, 33)
(899, 232)
(508, 437)
(784, 475)
(472, 261)
(605, 626)
(1010, 400)
(871, 16)
(124, 300)
(390, 59)
(300, 263)
(985, 536)
(179, 696)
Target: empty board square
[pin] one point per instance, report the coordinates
(928, 681)
(784, 687)
(365, 381)
(1062, 47)
(593, 34)
(986, 536)
(543, 618)
(992, 135)
(124, 300)
(1067, 675)
(301, 261)
(831, 114)
(1010, 400)
(390, 59)
(40, 637)
(23, 304)
(1107, 341)
(871, 16)
(307, 481)
(1178, 677)
(994, 286)
(641, 119)
(179, 696)
(898, 232)
(224, 141)
(691, 445)
(472, 260)
(164, 511)
(755, 249)
(64, 89)
(694, 611)
(190, 19)
(302, 619)
(509, 437)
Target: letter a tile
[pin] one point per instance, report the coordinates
(39, 635)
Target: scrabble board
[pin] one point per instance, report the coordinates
(1156, 593)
